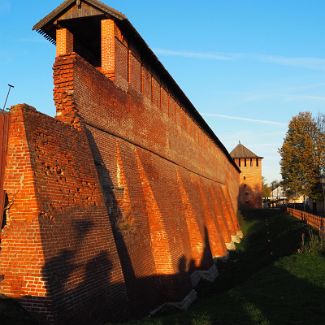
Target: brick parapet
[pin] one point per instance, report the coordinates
(178, 139)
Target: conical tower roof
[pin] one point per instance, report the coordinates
(242, 152)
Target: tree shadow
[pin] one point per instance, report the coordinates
(78, 276)
(274, 296)
(145, 292)
(249, 197)
(272, 235)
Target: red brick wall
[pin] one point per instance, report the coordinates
(21, 258)
(172, 190)
(58, 253)
(136, 119)
(127, 193)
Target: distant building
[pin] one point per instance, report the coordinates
(277, 197)
(278, 194)
(251, 185)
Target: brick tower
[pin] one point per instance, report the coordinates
(250, 193)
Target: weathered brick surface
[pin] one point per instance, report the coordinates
(108, 48)
(58, 253)
(172, 190)
(64, 41)
(21, 258)
(120, 197)
(141, 122)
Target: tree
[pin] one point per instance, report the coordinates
(302, 155)
(320, 121)
(266, 189)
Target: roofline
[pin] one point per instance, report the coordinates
(187, 103)
(255, 157)
(63, 6)
(153, 58)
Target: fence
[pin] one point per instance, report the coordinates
(310, 219)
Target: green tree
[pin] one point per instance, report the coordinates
(302, 155)
(266, 189)
(320, 121)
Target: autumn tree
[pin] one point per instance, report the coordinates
(266, 189)
(302, 156)
(320, 121)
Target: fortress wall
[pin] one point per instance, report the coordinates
(118, 200)
(167, 129)
(66, 257)
(171, 190)
(21, 255)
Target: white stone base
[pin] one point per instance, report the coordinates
(181, 305)
(240, 234)
(208, 275)
(235, 239)
(231, 246)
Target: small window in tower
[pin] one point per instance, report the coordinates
(256, 162)
(244, 178)
(245, 162)
(239, 162)
(251, 162)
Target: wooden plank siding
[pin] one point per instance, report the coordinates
(4, 126)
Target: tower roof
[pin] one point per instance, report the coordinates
(65, 10)
(242, 152)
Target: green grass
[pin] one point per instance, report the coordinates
(266, 281)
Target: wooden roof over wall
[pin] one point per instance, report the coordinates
(70, 9)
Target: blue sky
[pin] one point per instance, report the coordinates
(248, 66)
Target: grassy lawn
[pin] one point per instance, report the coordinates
(266, 281)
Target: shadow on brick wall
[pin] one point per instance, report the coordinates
(83, 292)
(249, 198)
(144, 293)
